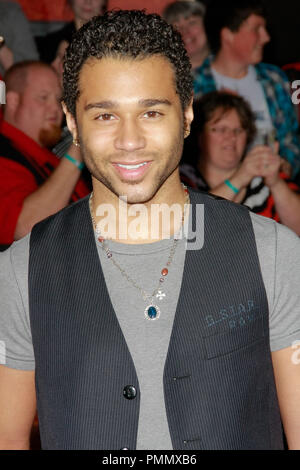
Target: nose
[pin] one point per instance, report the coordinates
(55, 108)
(129, 137)
(230, 134)
(183, 30)
(264, 36)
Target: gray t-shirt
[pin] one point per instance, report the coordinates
(279, 254)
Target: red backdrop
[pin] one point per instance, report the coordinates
(59, 10)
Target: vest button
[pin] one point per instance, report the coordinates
(129, 392)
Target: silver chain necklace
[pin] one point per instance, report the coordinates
(152, 311)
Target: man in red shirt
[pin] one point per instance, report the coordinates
(34, 183)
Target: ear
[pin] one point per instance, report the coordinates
(12, 102)
(71, 122)
(188, 114)
(226, 36)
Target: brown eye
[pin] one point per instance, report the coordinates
(105, 117)
(152, 114)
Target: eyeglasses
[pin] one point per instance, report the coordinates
(222, 131)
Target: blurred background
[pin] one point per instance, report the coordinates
(283, 24)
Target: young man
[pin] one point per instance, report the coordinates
(149, 342)
(237, 34)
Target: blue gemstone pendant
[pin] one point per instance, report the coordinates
(152, 312)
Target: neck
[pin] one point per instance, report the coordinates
(212, 175)
(227, 65)
(145, 222)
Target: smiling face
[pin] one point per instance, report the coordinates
(84, 10)
(130, 125)
(193, 34)
(248, 42)
(223, 140)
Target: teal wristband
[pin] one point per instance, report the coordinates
(80, 165)
(230, 185)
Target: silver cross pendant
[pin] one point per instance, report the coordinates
(160, 295)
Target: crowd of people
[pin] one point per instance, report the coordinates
(225, 44)
(172, 109)
(41, 168)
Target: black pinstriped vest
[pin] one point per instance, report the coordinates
(218, 378)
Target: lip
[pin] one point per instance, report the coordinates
(134, 174)
(52, 119)
(229, 148)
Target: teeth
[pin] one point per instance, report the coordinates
(132, 167)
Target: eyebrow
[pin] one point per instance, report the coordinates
(147, 103)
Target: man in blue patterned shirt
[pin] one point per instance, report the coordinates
(237, 34)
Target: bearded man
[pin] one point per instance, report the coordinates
(34, 182)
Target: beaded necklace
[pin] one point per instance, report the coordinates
(152, 310)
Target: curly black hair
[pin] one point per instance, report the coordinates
(126, 33)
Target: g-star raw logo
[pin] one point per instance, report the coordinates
(235, 315)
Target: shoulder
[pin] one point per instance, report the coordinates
(203, 78)
(14, 264)
(12, 159)
(7, 146)
(9, 151)
(279, 252)
(279, 257)
(14, 306)
(274, 235)
(273, 72)
(199, 195)
(67, 219)
(264, 227)
(207, 63)
(204, 70)
(220, 209)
